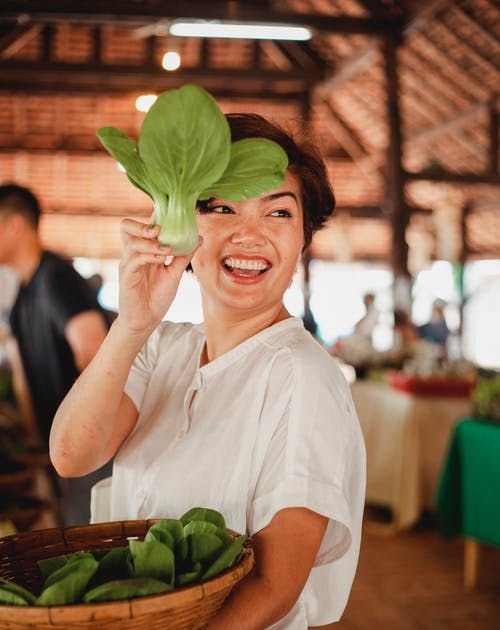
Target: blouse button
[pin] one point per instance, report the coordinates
(141, 494)
(182, 434)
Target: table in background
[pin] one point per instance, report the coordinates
(468, 497)
(406, 437)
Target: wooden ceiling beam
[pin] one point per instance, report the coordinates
(347, 70)
(13, 38)
(111, 78)
(300, 54)
(377, 8)
(441, 175)
(150, 11)
(449, 125)
(345, 135)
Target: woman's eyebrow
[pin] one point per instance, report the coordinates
(285, 193)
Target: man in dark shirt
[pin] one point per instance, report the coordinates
(56, 321)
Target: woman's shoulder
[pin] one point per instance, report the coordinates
(299, 351)
(174, 334)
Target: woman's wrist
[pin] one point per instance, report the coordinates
(129, 337)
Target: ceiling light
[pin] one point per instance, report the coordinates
(171, 60)
(144, 102)
(238, 30)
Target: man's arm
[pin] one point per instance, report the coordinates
(285, 551)
(21, 392)
(85, 333)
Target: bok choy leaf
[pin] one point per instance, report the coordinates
(184, 154)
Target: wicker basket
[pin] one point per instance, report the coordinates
(187, 608)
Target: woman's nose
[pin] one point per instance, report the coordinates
(248, 233)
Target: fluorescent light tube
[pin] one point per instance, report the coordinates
(238, 30)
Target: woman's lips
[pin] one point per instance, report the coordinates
(246, 269)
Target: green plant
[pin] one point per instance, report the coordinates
(184, 154)
(486, 398)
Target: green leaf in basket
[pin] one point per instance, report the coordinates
(66, 569)
(190, 576)
(115, 565)
(48, 566)
(12, 599)
(181, 553)
(126, 589)
(19, 591)
(69, 588)
(168, 531)
(153, 559)
(226, 558)
(204, 527)
(204, 548)
(204, 514)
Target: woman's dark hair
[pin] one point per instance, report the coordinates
(304, 161)
(16, 199)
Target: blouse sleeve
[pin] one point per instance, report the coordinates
(316, 459)
(141, 370)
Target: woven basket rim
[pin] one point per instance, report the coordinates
(130, 608)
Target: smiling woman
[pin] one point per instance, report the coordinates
(244, 413)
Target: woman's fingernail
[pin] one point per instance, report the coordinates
(168, 260)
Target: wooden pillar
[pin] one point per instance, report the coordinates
(464, 247)
(96, 45)
(395, 177)
(493, 132)
(306, 256)
(47, 43)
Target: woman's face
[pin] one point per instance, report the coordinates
(250, 249)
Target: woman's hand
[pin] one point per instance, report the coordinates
(147, 285)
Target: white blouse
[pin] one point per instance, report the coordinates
(268, 425)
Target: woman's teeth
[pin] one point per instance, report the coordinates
(253, 265)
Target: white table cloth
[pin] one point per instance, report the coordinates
(406, 437)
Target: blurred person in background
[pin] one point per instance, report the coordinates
(406, 338)
(436, 330)
(368, 322)
(57, 327)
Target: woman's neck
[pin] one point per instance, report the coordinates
(225, 331)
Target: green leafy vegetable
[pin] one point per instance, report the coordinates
(48, 566)
(67, 568)
(190, 576)
(204, 548)
(12, 599)
(168, 531)
(115, 565)
(184, 154)
(11, 591)
(125, 589)
(153, 559)
(71, 585)
(226, 558)
(203, 514)
(204, 527)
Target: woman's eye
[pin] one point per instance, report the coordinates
(281, 213)
(220, 209)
